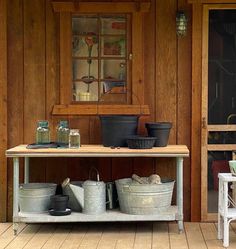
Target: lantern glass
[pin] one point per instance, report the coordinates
(181, 23)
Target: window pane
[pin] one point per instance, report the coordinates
(113, 46)
(85, 69)
(113, 69)
(222, 137)
(113, 25)
(84, 25)
(82, 48)
(222, 67)
(84, 92)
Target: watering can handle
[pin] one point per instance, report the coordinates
(65, 182)
(93, 168)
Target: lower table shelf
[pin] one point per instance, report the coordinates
(109, 216)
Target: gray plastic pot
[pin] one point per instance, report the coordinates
(160, 130)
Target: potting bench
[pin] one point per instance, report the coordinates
(172, 213)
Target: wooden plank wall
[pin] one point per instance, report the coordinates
(15, 85)
(3, 108)
(33, 88)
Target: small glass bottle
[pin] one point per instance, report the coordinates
(74, 138)
(122, 71)
(63, 132)
(43, 132)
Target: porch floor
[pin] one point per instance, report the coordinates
(138, 235)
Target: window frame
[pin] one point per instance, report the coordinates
(67, 106)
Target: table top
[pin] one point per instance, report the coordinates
(227, 177)
(99, 151)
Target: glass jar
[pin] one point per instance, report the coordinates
(74, 138)
(63, 132)
(43, 132)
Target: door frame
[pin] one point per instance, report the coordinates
(205, 128)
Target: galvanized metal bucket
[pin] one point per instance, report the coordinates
(135, 198)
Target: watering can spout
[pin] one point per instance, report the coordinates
(79, 194)
(75, 192)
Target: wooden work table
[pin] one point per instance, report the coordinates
(173, 213)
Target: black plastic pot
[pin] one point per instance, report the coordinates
(161, 131)
(59, 202)
(117, 128)
(140, 142)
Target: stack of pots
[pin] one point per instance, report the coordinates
(116, 129)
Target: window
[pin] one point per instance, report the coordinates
(101, 58)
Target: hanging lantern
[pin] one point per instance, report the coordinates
(181, 23)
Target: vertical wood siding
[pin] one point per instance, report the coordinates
(183, 122)
(196, 110)
(33, 88)
(15, 83)
(3, 108)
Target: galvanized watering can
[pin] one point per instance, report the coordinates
(90, 196)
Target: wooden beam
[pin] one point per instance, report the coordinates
(104, 7)
(101, 110)
(196, 113)
(3, 109)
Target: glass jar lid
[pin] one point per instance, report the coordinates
(43, 123)
(63, 124)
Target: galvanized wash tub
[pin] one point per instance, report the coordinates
(135, 198)
(35, 197)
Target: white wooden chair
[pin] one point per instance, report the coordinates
(226, 207)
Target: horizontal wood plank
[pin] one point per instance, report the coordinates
(104, 7)
(221, 127)
(100, 109)
(100, 151)
(221, 147)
